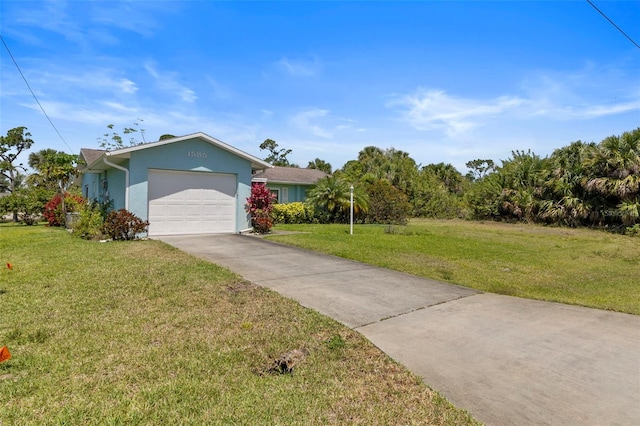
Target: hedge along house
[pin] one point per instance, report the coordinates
(289, 184)
(193, 184)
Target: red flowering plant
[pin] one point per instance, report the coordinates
(53, 210)
(259, 205)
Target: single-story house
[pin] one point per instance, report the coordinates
(192, 184)
(289, 184)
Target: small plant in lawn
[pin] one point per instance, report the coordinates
(123, 225)
(259, 205)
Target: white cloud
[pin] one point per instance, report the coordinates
(303, 121)
(300, 68)
(435, 109)
(168, 82)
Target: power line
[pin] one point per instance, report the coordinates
(613, 23)
(34, 95)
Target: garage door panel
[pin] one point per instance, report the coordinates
(191, 202)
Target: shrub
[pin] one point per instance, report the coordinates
(292, 213)
(262, 222)
(259, 205)
(53, 213)
(90, 222)
(633, 231)
(123, 225)
(28, 202)
(387, 204)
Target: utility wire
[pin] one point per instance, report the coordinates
(34, 95)
(613, 23)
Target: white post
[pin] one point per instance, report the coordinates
(351, 229)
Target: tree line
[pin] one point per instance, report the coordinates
(582, 184)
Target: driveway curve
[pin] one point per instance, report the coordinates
(506, 360)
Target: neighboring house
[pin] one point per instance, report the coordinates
(192, 184)
(289, 184)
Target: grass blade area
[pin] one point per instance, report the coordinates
(575, 266)
(141, 333)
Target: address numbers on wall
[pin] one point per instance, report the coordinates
(197, 154)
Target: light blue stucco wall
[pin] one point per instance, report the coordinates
(296, 192)
(91, 186)
(116, 187)
(189, 155)
(105, 186)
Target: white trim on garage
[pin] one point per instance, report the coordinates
(185, 202)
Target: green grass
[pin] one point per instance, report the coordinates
(141, 333)
(575, 266)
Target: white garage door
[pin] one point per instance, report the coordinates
(191, 202)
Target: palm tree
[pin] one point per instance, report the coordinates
(565, 197)
(332, 194)
(320, 165)
(614, 175)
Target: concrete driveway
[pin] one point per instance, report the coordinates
(508, 361)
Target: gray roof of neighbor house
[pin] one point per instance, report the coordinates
(292, 175)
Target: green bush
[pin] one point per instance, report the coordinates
(633, 231)
(28, 202)
(123, 225)
(387, 204)
(90, 222)
(292, 213)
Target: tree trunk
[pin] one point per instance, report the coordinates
(12, 189)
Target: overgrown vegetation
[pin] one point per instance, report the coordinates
(582, 184)
(141, 333)
(576, 266)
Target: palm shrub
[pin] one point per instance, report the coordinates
(260, 205)
(330, 199)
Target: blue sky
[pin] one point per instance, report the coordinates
(444, 81)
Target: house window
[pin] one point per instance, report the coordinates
(285, 195)
(276, 193)
(86, 192)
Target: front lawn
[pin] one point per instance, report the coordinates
(576, 266)
(141, 333)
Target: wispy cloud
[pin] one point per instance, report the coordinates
(576, 96)
(300, 68)
(435, 109)
(305, 121)
(168, 82)
(587, 93)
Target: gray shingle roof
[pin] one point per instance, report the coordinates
(291, 175)
(91, 155)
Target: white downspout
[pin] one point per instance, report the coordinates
(126, 180)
